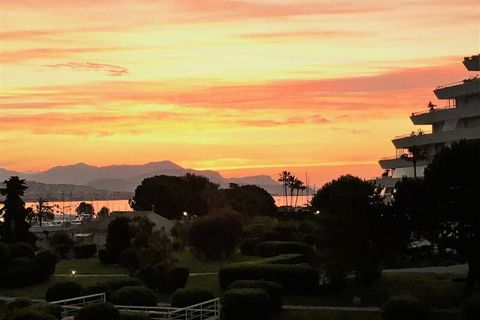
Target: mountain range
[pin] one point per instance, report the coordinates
(125, 178)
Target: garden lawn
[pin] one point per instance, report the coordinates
(196, 265)
(87, 266)
(437, 290)
(38, 291)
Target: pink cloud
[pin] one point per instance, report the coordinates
(110, 69)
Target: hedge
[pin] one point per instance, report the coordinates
(187, 297)
(134, 296)
(28, 314)
(101, 310)
(471, 308)
(293, 278)
(63, 290)
(246, 304)
(85, 250)
(108, 287)
(273, 289)
(274, 248)
(406, 308)
(177, 277)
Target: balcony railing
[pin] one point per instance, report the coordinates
(473, 79)
(413, 134)
(433, 110)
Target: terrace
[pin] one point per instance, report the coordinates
(465, 87)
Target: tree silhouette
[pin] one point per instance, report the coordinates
(43, 211)
(15, 227)
(414, 155)
(285, 177)
(85, 208)
(103, 213)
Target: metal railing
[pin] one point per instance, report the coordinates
(207, 310)
(453, 84)
(71, 306)
(414, 134)
(433, 110)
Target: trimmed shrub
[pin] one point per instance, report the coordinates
(134, 296)
(149, 276)
(47, 308)
(105, 256)
(44, 265)
(108, 287)
(406, 308)
(21, 249)
(187, 297)
(19, 273)
(102, 310)
(293, 278)
(247, 304)
(85, 250)
(28, 314)
(129, 260)
(471, 309)
(132, 315)
(61, 242)
(5, 256)
(273, 289)
(63, 290)
(274, 248)
(17, 304)
(247, 246)
(177, 277)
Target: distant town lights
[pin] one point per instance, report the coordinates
(317, 212)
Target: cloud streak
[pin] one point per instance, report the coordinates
(109, 69)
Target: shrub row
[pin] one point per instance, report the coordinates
(24, 309)
(187, 297)
(273, 289)
(293, 278)
(252, 304)
(63, 290)
(134, 296)
(108, 287)
(247, 246)
(85, 250)
(275, 248)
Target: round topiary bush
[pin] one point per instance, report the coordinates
(406, 308)
(177, 277)
(471, 309)
(43, 266)
(187, 297)
(273, 289)
(24, 314)
(18, 274)
(252, 304)
(130, 315)
(102, 310)
(63, 290)
(134, 296)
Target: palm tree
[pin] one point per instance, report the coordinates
(284, 177)
(44, 211)
(298, 185)
(414, 155)
(291, 186)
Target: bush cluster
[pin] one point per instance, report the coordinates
(26, 309)
(293, 278)
(25, 271)
(273, 289)
(406, 308)
(163, 278)
(247, 246)
(187, 297)
(287, 258)
(243, 304)
(108, 287)
(134, 296)
(274, 248)
(85, 250)
(61, 243)
(21, 249)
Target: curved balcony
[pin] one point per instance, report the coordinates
(425, 138)
(466, 87)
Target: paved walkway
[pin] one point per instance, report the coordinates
(456, 269)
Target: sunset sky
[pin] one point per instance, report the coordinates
(241, 86)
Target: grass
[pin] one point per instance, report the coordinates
(38, 291)
(344, 315)
(196, 265)
(87, 266)
(437, 290)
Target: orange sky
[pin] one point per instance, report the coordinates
(255, 86)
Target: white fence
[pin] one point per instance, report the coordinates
(207, 310)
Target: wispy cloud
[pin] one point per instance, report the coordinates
(304, 34)
(16, 56)
(110, 69)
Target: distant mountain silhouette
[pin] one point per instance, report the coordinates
(125, 178)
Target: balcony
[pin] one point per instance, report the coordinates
(472, 63)
(396, 162)
(443, 114)
(425, 138)
(466, 87)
